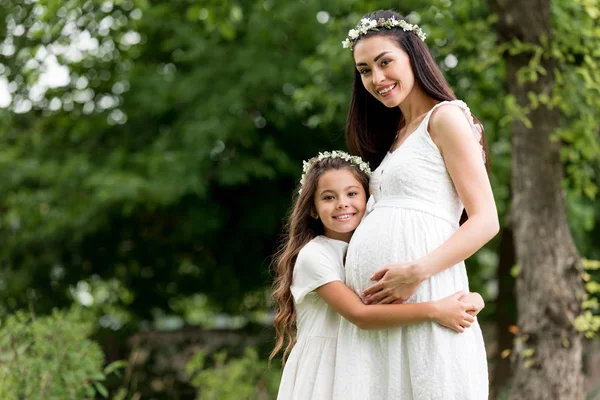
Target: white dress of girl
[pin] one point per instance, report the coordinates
(416, 209)
(308, 372)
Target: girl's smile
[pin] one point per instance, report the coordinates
(344, 217)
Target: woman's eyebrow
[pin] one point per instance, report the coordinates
(375, 59)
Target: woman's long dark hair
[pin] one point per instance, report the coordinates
(371, 127)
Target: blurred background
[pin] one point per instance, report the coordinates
(148, 154)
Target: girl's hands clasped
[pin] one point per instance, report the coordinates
(475, 299)
(454, 313)
(395, 283)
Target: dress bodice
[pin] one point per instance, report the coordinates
(415, 176)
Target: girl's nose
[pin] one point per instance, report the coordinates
(342, 204)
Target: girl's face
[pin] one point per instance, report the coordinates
(340, 203)
(385, 69)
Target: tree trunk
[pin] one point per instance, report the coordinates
(505, 313)
(547, 355)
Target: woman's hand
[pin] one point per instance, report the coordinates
(475, 299)
(454, 313)
(395, 283)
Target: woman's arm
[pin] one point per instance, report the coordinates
(452, 133)
(449, 312)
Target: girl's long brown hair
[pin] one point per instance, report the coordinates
(371, 127)
(299, 229)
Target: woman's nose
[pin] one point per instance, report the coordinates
(377, 76)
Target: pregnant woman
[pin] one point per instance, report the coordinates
(430, 169)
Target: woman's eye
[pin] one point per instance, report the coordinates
(363, 71)
(385, 62)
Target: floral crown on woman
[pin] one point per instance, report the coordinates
(353, 160)
(367, 24)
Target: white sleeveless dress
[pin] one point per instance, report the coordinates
(416, 209)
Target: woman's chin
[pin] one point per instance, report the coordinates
(389, 103)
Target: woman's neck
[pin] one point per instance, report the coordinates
(415, 105)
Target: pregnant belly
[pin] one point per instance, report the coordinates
(391, 235)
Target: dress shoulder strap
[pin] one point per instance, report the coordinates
(476, 128)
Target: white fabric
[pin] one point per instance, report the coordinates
(416, 209)
(308, 372)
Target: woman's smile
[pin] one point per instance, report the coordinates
(386, 90)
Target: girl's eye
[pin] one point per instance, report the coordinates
(385, 62)
(352, 194)
(363, 71)
(327, 197)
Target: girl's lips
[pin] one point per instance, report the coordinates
(344, 217)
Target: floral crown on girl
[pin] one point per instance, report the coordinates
(367, 24)
(353, 160)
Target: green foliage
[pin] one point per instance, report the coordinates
(574, 48)
(244, 378)
(589, 321)
(51, 358)
(205, 152)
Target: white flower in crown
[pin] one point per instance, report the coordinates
(353, 34)
(305, 166)
(353, 160)
(367, 24)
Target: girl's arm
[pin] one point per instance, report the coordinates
(452, 133)
(449, 312)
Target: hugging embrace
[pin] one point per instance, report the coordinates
(371, 289)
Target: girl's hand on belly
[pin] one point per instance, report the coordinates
(395, 283)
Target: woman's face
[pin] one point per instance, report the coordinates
(385, 69)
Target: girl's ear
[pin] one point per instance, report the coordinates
(313, 213)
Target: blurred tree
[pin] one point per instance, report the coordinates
(548, 349)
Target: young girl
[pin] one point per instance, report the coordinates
(309, 289)
(426, 146)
